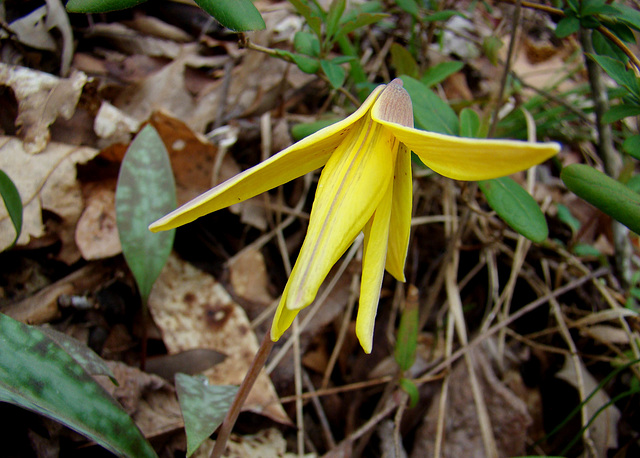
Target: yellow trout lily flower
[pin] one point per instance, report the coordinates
(365, 186)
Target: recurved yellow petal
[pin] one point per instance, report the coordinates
(351, 185)
(376, 235)
(300, 158)
(283, 317)
(401, 208)
(471, 158)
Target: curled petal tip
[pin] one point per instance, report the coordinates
(397, 81)
(394, 105)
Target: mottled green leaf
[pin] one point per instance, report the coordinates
(612, 197)
(516, 207)
(36, 374)
(145, 192)
(440, 72)
(12, 202)
(335, 73)
(100, 6)
(237, 15)
(469, 123)
(430, 111)
(203, 407)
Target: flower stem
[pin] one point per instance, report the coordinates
(241, 396)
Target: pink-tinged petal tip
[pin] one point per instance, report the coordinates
(394, 105)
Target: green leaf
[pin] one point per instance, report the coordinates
(604, 47)
(146, 191)
(237, 15)
(585, 249)
(305, 63)
(411, 389)
(362, 20)
(612, 197)
(567, 26)
(300, 131)
(36, 374)
(406, 344)
(334, 73)
(410, 6)
(440, 72)
(627, 15)
(313, 20)
(618, 112)
(203, 407)
(565, 215)
(443, 15)
(403, 61)
(469, 123)
(516, 207)
(491, 46)
(12, 202)
(336, 10)
(100, 6)
(82, 354)
(634, 183)
(430, 111)
(618, 71)
(306, 43)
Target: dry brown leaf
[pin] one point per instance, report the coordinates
(462, 436)
(113, 125)
(194, 311)
(45, 181)
(266, 443)
(41, 99)
(96, 231)
(147, 398)
(249, 279)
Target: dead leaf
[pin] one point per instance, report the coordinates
(194, 311)
(248, 277)
(113, 125)
(96, 231)
(462, 436)
(266, 443)
(41, 99)
(44, 181)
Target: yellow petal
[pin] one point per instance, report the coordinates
(300, 158)
(401, 208)
(376, 235)
(471, 158)
(283, 317)
(351, 186)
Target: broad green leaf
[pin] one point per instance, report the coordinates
(237, 15)
(627, 15)
(617, 70)
(407, 341)
(631, 146)
(300, 131)
(411, 389)
(203, 407)
(100, 6)
(334, 73)
(622, 31)
(410, 6)
(612, 197)
(516, 207)
(618, 112)
(440, 72)
(306, 43)
(146, 191)
(591, 7)
(86, 357)
(38, 375)
(604, 47)
(12, 202)
(430, 111)
(567, 26)
(469, 123)
(336, 10)
(403, 61)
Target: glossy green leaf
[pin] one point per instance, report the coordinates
(430, 112)
(407, 341)
(567, 26)
(469, 123)
(516, 207)
(631, 146)
(335, 73)
(38, 375)
(12, 202)
(100, 6)
(618, 112)
(403, 61)
(203, 407)
(612, 197)
(306, 43)
(299, 131)
(146, 191)
(440, 72)
(237, 15)
(411, 389)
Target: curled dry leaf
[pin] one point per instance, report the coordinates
(194, 311)
(41, 99)
(44, 181)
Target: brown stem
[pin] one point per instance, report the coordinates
(241, 396)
